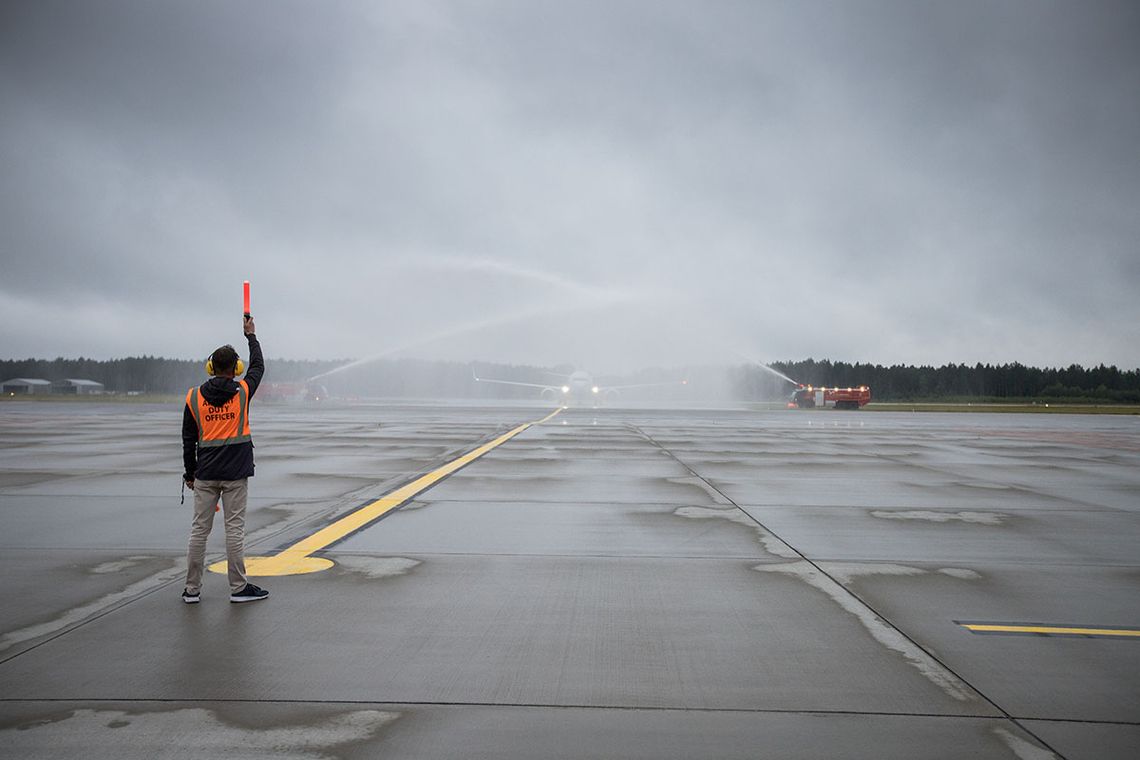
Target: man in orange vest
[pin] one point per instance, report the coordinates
(217, 450)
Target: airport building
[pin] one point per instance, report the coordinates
(25, 386)
(74, 387)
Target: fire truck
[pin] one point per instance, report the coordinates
(808, 397)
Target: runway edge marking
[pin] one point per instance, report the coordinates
(297, 559)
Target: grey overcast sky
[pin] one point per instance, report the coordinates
(611, 184)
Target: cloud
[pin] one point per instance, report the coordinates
(890, 182)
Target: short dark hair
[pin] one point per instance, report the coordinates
(224, 359)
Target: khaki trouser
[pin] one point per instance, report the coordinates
(233, 496)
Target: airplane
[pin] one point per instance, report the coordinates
(578, 386)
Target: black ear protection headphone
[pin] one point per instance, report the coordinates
(239, 369)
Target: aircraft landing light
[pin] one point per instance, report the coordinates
(1040, 629)
(297, 559)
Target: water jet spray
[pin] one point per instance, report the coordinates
(768, 369)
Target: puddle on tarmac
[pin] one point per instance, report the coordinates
(846, 572)
(116, 566)
(189, 733)
(771, 544)
(979, 518)
(1023, 749)
(375, 567)
(880, 629)
(698, 483)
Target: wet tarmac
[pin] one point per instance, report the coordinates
(610, 583)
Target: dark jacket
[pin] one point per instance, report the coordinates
(233, 461)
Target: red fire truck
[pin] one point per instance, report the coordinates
(808, 397)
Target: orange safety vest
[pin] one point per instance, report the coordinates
(221, 425)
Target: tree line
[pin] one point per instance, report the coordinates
(144, 374)
(407, 377)
(428, 378)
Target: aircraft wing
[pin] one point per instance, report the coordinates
(512, 382)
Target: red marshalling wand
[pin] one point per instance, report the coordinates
(245, 296)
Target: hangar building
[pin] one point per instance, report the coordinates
(24, 386)
(74, 387)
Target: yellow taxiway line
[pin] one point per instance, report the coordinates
(298, 559)
(1048, 630)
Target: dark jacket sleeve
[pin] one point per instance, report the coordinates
(256, 365)
(189, 442)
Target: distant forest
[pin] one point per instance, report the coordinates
(426, 378)
(980, 381)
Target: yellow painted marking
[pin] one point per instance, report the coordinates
(296, 559)
(1048, 629)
